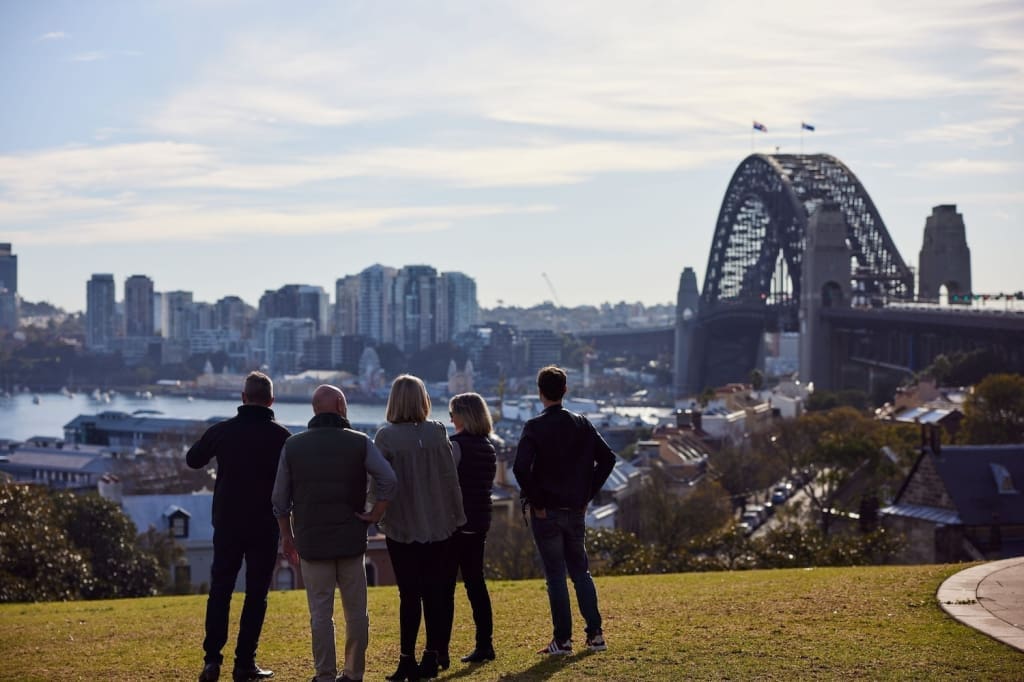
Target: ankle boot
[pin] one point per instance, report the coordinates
(428, 665)
(407, 671)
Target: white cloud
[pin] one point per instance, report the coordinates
(156, 222)
(979, 132)
(54, 35)
(965, 166)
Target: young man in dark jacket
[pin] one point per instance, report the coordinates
(247, 448)
(561, 464)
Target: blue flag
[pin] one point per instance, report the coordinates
(806, 126)
(760, 126)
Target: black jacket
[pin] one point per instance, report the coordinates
(562, 461)
(476, 478)
(247, 448)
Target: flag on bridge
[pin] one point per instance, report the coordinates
(806, 126)
(760, 126)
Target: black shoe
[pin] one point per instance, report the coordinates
(407, 671)
(444, 660)
(211, 673)
(479, 654)
(251, 673)
(429, 665)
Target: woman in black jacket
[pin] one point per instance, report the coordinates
(477, 463)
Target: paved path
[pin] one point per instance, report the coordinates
(989, 598)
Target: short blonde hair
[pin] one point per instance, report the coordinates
(472, 410)
(408, 400)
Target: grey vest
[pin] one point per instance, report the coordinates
(328, 475)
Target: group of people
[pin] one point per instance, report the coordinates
(431, 498)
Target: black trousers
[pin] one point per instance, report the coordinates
(469, 548)
(425, 573)
(258, 546)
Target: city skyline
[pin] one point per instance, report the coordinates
(228, 148)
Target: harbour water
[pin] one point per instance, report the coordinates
(22, 417)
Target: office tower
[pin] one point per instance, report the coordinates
(100, 310)
(138, 306)
(8, 269)
(463, 310)
(375, 317)
(415, 302)
(346, 306)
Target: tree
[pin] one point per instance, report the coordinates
(58, 546)
(37, 561)
(510, 553)
(994, 412)
(757, 379)
(107, 540)
(837, 446)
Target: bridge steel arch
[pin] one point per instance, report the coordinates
(752, 283)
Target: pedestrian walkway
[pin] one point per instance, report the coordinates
(988, 598)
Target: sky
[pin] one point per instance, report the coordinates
(226, 147)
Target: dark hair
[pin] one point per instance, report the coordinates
(259, 389)
(551, 382)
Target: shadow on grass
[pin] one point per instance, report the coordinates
(544, 668)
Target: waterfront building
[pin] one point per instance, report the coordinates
(100, 312)
(299, 301)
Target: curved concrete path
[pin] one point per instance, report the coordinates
(989, 598)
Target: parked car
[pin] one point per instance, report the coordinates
(759, 512)
(779, 496)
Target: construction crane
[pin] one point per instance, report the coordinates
(551, 286)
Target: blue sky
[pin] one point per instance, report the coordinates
(228, 147)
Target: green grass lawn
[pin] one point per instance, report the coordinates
(829, 623)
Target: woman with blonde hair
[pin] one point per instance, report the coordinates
(477, 463)
(418, 525)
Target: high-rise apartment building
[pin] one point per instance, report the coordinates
(138, 306)
(8, 269)
(232, 314)
(10, 302)
(299, 301)
(346, 306)
(179, 315)
(415, 303)
(100, 312)
(463, 310)
(375, 300)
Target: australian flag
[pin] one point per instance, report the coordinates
(806, 126)
(761, 127)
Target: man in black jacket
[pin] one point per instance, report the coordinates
(247, 448)
(561, 464)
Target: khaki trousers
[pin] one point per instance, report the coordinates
(348, 575)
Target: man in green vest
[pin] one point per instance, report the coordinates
(319, 500)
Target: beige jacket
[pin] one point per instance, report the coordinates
(427, 506)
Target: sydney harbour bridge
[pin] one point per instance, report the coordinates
(799, 246)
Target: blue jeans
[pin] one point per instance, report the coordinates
(559, 539)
